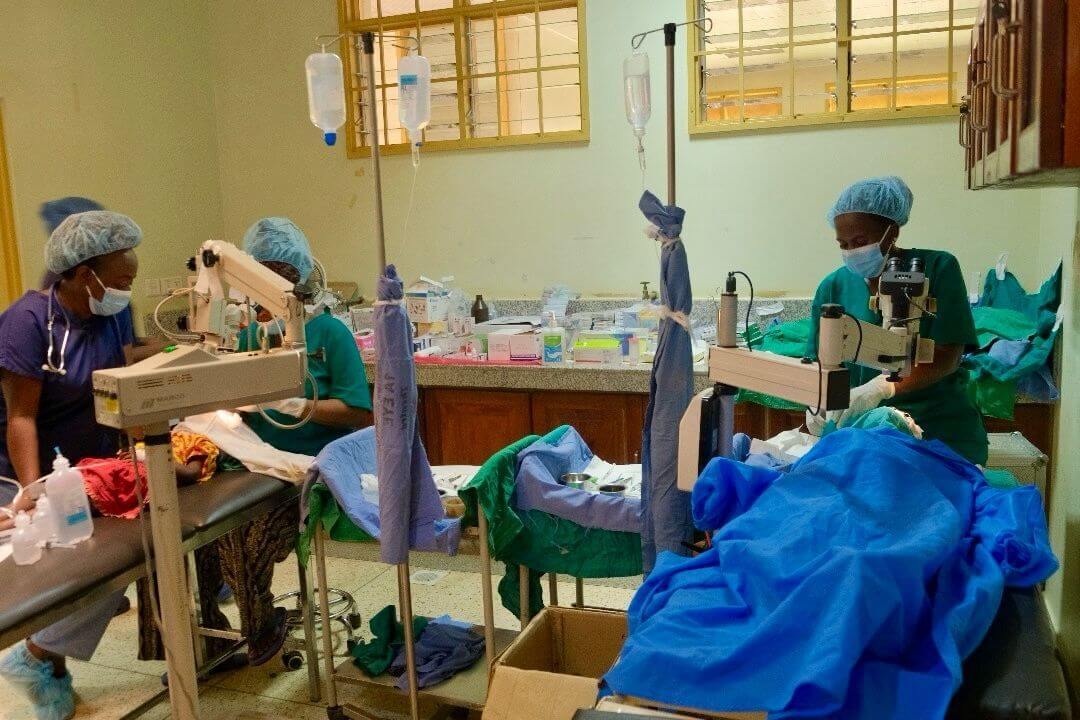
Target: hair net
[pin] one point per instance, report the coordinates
(87, 235)
(55, 212)
(278, 239)
(889, 197)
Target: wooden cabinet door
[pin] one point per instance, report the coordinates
(980, 102)
(468, 426)
(609, 423)
(1038, 28)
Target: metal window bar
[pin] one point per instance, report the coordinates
(898, 24)
(459, 15)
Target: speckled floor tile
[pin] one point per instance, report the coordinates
(221, 704)
(104, 694)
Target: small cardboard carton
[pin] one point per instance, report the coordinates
(553, 667)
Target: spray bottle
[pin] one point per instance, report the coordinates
(554, 340)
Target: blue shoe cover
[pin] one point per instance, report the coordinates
(52, 697)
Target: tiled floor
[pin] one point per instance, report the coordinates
(115, 682)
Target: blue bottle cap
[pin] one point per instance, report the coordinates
(330, 138)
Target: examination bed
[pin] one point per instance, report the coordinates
(69, 578)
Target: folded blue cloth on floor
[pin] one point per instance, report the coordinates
(445, 648)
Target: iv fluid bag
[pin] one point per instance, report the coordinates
(326, 93)
(414, 95)
(638, 93)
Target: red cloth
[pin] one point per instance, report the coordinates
(110, 483)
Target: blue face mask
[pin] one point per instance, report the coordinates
(868, 261)
(111, 303)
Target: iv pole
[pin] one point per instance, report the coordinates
(365, 50)
(703, 24)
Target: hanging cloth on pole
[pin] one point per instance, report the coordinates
(666, 517)
(408, 498)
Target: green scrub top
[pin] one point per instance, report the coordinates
(339, 374)
(943, 410)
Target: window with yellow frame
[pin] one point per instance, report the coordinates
(779, 63)
(503, 72)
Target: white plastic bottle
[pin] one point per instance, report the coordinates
(638, 98)
(24, 547)
(326, 93)
(67, 496)
(554, 341)
(44, 521)
(414, 99)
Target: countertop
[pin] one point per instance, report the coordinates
(570, 377)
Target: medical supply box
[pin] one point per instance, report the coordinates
(1013, 452)
(514, 343)
(553, 667)
(427, 301)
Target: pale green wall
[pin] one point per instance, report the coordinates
(1059, 239)
(112, 99)
(508, 222)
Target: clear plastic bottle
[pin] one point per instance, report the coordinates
(67, 495)
(326, 93)
(414, 99)
(24, 547)
(45, 521)
(638, 98)
(554, 339)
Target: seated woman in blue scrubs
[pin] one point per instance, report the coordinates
(867, 218)
(51, 341)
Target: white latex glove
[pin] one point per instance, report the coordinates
(814, 423)
(865, 397)
(293, 407)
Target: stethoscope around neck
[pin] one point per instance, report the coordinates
(49, 365)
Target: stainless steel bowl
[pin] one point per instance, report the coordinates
(613, 489)
(576, 480)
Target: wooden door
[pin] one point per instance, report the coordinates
(468, 426)
(609, 423)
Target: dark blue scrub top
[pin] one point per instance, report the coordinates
(66, 410)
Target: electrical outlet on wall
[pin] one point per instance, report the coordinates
(152, 287)
(171, 284)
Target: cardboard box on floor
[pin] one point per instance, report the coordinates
(553, 668)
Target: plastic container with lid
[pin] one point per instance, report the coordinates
(24, 547)
(70, 505)
(45, 521)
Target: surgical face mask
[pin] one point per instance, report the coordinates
(867, 261)
(112, 302)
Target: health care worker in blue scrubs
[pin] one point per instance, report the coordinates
(867, 218)
(51, 341)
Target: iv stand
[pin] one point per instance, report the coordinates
(366, 48)
(703, 24)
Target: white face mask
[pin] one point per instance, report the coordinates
(111, 303)
(867, 261)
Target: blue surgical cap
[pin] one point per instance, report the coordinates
(277, 239)
(888, 197)
(87, 235)
(55, 212)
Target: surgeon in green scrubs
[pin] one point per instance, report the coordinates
(867, 218)
(344, 401)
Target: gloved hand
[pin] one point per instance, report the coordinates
(865, 397)
(293, 407)
(815, 424)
